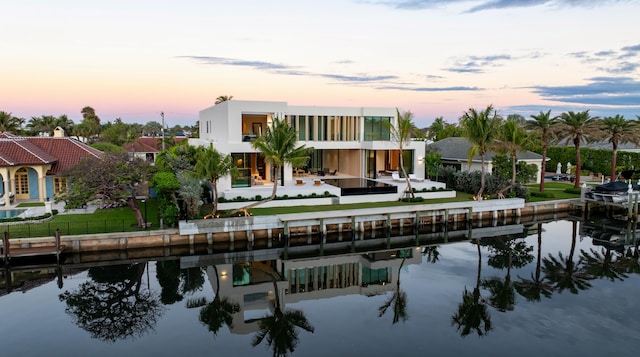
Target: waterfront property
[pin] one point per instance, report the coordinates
(31, 167)
(347, 141)
(490, 291)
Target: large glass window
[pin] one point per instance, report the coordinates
(242, 162)
(376, 128)
(302, 127)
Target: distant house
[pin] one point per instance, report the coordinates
(148, 147)
(455, 152)
(31, 167)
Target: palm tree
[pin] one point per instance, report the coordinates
(9, 123)
(578, 127)
(481, 128)
(218, 312)
(279, 329)
(278, 145)
(543, 123)
(401, 134)
(564, 273)
(43, 124)
(619, 131)
(472, 312)
(513, 139)
(223, 98)
(213, 165)
(398, 299)
(532, 288)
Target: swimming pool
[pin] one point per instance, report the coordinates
(361, 186)
(10, 213)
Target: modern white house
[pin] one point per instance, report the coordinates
(347, 141)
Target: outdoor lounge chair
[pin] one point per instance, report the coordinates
(333, 173)
(299, 182)
(396, 177)
(413, 177)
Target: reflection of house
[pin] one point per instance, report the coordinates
(148, 147)
(455, 152)
(250, 284)
(348, 140)
(30, 167)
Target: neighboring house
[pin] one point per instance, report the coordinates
(455, 152)
(351, 141)
(148, 147)
(30, 167)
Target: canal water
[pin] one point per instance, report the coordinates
(559, 288)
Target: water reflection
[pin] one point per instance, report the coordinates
(114, 304)
(271, 300)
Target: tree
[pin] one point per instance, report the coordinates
(533, 288)
(481, 128)
(432, 162)
(91, 123)
(543, 123)
(9, 123)
(278, 146)
(472, 312)
(44, 124)
(113, 179)
(564, 273)
(152, 128)
(440, 130)
(578, 128)
(513, 138)
(398, 300)
(619, 131)
(115, 304)
(401, 134)
(223, 98)
(279, 329)
(212, 165)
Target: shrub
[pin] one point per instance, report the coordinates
(543, 194)
(573, 190)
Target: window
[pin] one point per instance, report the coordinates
(59, 185)
(376, 128)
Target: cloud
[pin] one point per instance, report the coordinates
(477, 64)
(622, 61)
(612, 91)
(287, 70)
(431, 89)
(482, 5)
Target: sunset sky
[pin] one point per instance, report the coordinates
(134, 59)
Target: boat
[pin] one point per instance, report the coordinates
(616, 192)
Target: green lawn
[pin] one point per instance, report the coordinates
(121, 219)
(554, 188)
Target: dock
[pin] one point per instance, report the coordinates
(9, 251)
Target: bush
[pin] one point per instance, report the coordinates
(543, 194)
(573, 190)
(415, 199)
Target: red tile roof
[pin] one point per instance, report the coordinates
(148, 144)
(62, 152)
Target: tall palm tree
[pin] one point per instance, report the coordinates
(564, 273)
(9, 123)
(278, 145)
(533, 288)
(481, 128)
(513, 139)
(543, 123)
(279, 329)
(398, 300)
(472, 312)
(223, 98)
(619, 131)
(401, 134)
(578, 128)
(218, 312)
(213, 165)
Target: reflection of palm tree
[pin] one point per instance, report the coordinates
(532, 288)
(472, 312)
(398, 300)
(602, 266)
(431, 253)
(218, 312)
(279, 329)
(505, 254)
(563, 272)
